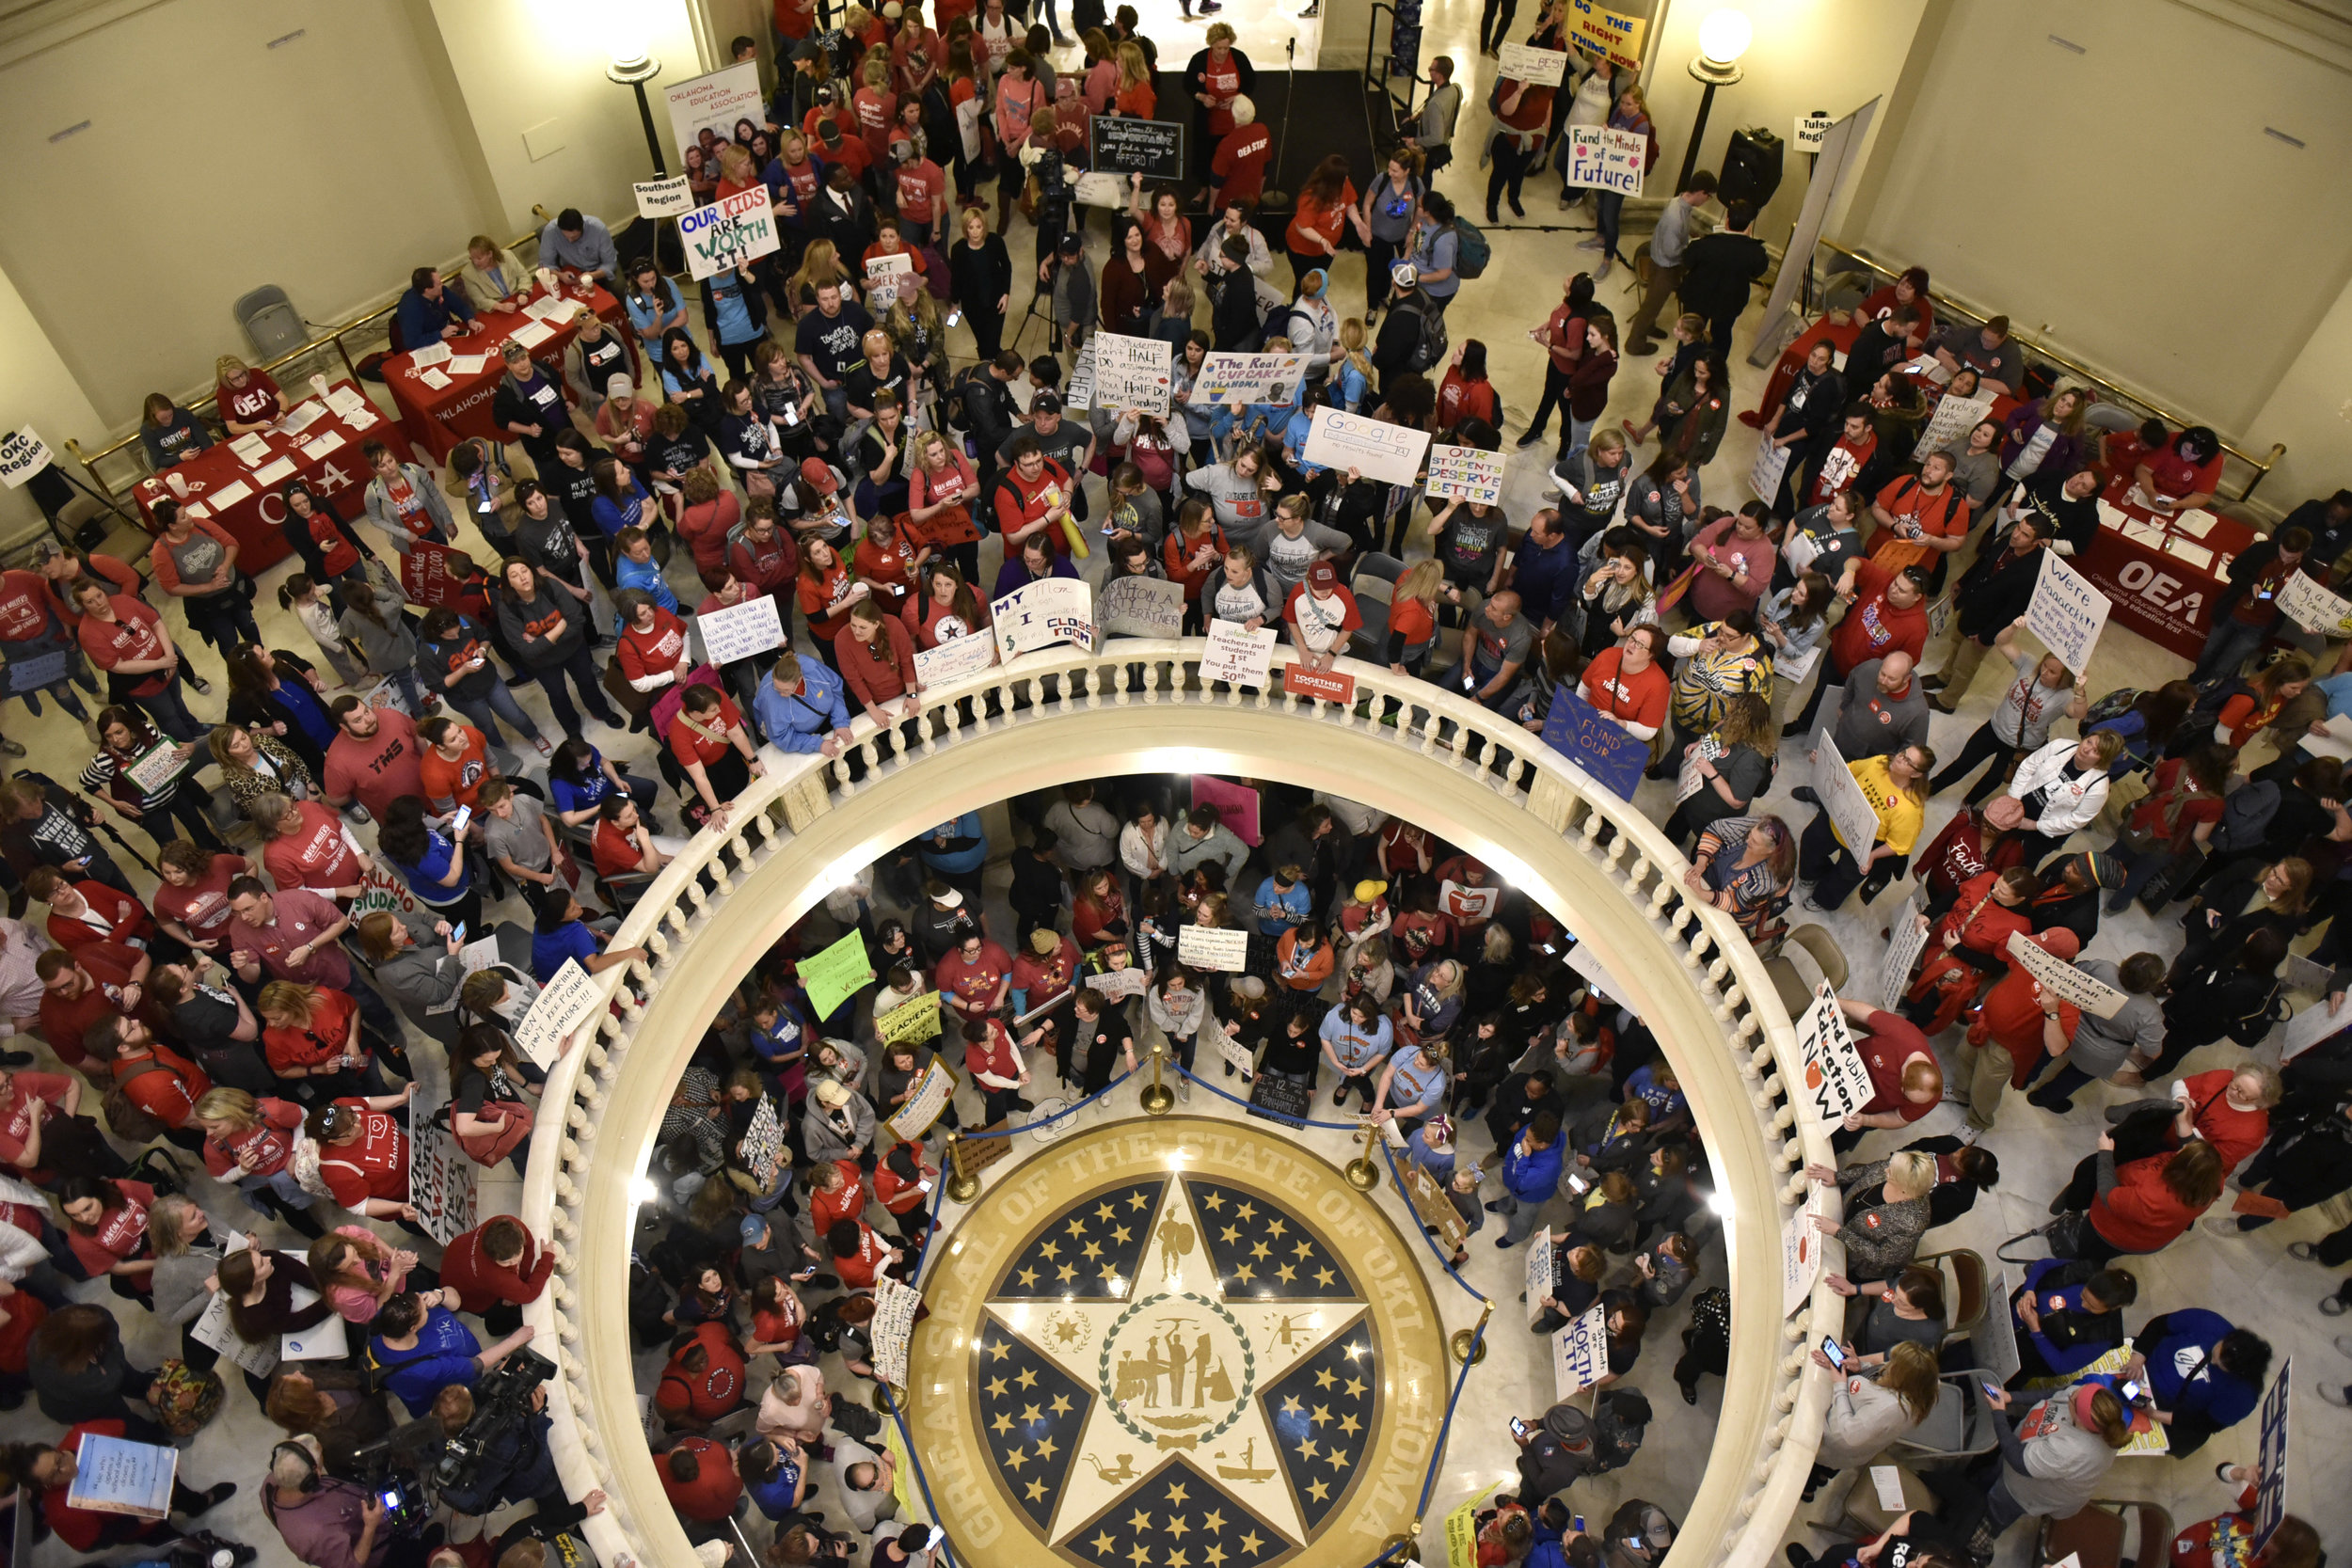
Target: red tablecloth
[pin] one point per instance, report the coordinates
(2153, 592)
(254, 519)
(437, 418)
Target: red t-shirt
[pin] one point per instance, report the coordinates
(709, 1498)
(688, 747)
(270, 1139)
(657, 652)
(614, 851)
(1942, 516)
(113, 916)
(130, 637)
(376, 1164)
(876, 113)
(2175, 475)
(24, 605)
(972, 987)
(951, 489)
(166, 1086)
(454, 783)
(326, 1038)
(315, 855)
(845, 1202)
(1639, 698)
(887, 568)
(26, 1312)
(825, 601)
(1221, 81)
(1893, 1041)
(335, 546)
(78, 1528)
(922, 191)
(2234, 1133)
(1873, 628)
(121, 1233)
(256, 400)
(16, 1120)
(380, 768)
(1021, 502)
(717, 1389)
(1239, 164)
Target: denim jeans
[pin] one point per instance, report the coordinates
(169, 710)
(2229, 645)
(483, 712)
(1580, 436)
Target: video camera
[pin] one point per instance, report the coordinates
(501, 1405)
(393, 1471)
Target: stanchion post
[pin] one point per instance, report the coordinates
(1470, 1344)
(1361, 1173)
(962, 1185)
(1157, 1097)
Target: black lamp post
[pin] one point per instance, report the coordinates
(1723, 37)
(635, 74)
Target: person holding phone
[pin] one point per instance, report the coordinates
(1866, 1413)
(2055, 1456)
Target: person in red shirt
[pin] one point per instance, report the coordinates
(1856, 444)
(859, 1253)
(838, 1191)
(159, 1081)
(364, 1155)
(993, 1061)
(702, 1381)
(1969, 943)
(248, 399)
(902, 1185)
(698, 1477)
(2016, 1024)
(1906, 1081)
(98, 979)
(1239, 166)
(1322, 616)
(31, 625)
(1522, 123)
(88, 1530)
(82, 913)
(105, 1225)
(922, 188)
(250, 1142)
(653, 651)
(452, 766)
(375, 758)
(884, 563)
(2228, 1108)
(312, 1032)
(21, 1313)
(1920, 518)
(875, 657)
(1047, 968)
(2146, 1205)
(2181, 475)
(764, 560)
(707, 739)
(974, 978)
(128, 641)
(1884, 609)
(1627, 685)
(623, 845)
(827, 592)
(192, 898)
(497, 1269)
(1034, 500)
(308, 848)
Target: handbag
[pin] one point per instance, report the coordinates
(666, 706)
(185, 1398)
(2063, 1235)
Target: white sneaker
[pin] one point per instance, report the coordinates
(1184, 1090)
(1602, 271)
(1592, 243)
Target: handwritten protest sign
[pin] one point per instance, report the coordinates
(1580, 1354)
(1907, 939)
(1540, 1263)
(1043, 615)
(912, 1021)
(1209, 947)
(1837, 1084)
(1468, 473)
(1611, 34)
(1242, 657)
(1766, 473)
(2066, 613)
(1607, 159)
(1117, 984)
(1238, 378)
(730, 231)
(2311, 605)
(928, 1097)
(2062, 980)
(563, 1007)
(1953, 419)
(1141, 606)
(663, 198)
(955, 658)
(1151, 148)
(762, 1144)
(744, 631)
(1131, 373)
(892, 1326)
(1849, 810)
(1388, 453)
(1800, 1260)
(1426, 1193)
(1578, 730)
(1461, 1530)
(2271, 1499)
(1542, 68)
(441, 1178)
(832, 976)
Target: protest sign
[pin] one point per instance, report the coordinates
(1042, 614)
(1766, 473)
(1117, 984)
(1242, 657)
(1078, 393)
(1131, 373)
(1461, 1530)
(743, 631)
(1237, 378)
(761, 1146)
(955, 658)
(1151, 148)
(927, 1096)
(441, 1178)
(1953, 419)
(1541, 68)
(1577, 730)
(439, 576)
(1209, 947)
(1907, 939)
(890, 1328)
(1849, 810)
(1800, 1260)
(1810, 130)
(1236, 806)
(1468, 473)
(1607, 159)
(563, 1007)
(1327, 686)
(1837, 1084)
(1611, 34)
(1586, 962)
(1388, 453)
(2062, 980)
(212, 1328)
(2311, 605)
(1427, 1195)
(712, 105)
(325, 1341)
(114, 1475)
(1141, 606)
(1239, 1054)
(23, 454)
(889, 268)
(663, 198)
(157, 769)
(832, 976)
(911, 1022)
(2271, 1499)
(730, 231)
(1540, 1263)
(380, 889)
(2066, 611)
(1993, 1343)
(1580, 1354)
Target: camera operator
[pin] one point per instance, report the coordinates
(508, 1463)
(332, 1523)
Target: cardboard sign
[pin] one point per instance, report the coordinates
(563, 1005)
(114, 1475)
(436, 575)
(1586, 962)
(1078, 393)
(2311, 605)
(1117, 984)
(1607, 159)
(1241, 657)
(1388, 453)
(663, 198)
(23, 454)
(1464, 473)
(1324, 686)
(1580, 1354)
(2062, 980)
(1151, 148)
(1612, 35)
(1907, 941)
(955, 658)
(1837, 1084)
(381, 889)
(1275, 1098)
(911, 1022)
(730, 231)
(1141, 606)
(712, 103)
(891, 1327)
(441, 1178)
(929, 1099)
(1236, 806)
(1849, 810)
(1766, 473)
(2271, 1501)
(1043, 615)
(1238, 1055)
(1993, 1343)
(1579, 731)
(1210, 947)
(1809, 132)
(1540, 1265)
(1800, 1260)
(1131, 373)
(832, 976)
(1235, 379)
(1953, 419)
(1428, 1198)
(889, 268)
(1542, 68)
(2066, 613)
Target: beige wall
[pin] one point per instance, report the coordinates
(2209, 278)
(36, 390)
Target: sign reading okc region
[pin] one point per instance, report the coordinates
(1151, 148)
(728, 232)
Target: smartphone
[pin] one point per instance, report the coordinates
(457, 823)
(390, 1499)
(2130, 1390)
(1634, 1541)
(1835, 1352)
(1991, 1389)
(1577, 1185)
(954, 317)
(936, 1536)
(1519, 1427)
(791, 413)
(457, 934)
(1577, 1524)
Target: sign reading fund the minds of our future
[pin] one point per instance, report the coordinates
(730, 231)
(1607, 159)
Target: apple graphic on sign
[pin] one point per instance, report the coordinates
(1812, 1075)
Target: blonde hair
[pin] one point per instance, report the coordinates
(1134, 70)
(482, 244)
(1352, 340)
(1218, 33)
(1909, 1375)
(1420, 580)
(821, 264)
(227, 366)
(235, 1106)
(1909, 1171)
(289, 1000)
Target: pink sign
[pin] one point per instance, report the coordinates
(1237, 805)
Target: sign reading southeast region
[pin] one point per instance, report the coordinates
(1607, 159)
(1542, 68)
(1131, 373)
(663, 198)
(1151, 148)
(730, 231)
(1241, 657)
(1041, 614)
(1466, 473)
(1213, 947)
(740, 631)
(1388, 453)
(2063, 980)
(1837, 1084)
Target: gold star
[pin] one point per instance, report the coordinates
(1357, 1350)
(1322, 1414)
(1338, 1458)
(1014, 1460)
(1045, 1446)
(995, 1386)
(1103, 1544)
(1247, 1212)
(1110, 1270)
(1290, 1405)
(1286, 1273)
(1349, 1425)
(1094, 1250)
(1260, 1250)
(1077, 1226)
(1137, 1200)
(1140, 1555)
(1229, 1235)
(1303, 1249)
(1214, 1522)
(1318, 1491)
(1176, 1494)
(1002, 1423)
(1214, 1201)
(1307, 1449)
(1276, 1227)
(1061, 1404)
(1355, 1387)
(1176, 1525)
(1037, 1490)
(1139, 1520)
(1028, 1380)
(1245, 1273)
(1324, 1277)
(1105, 1210)
(1323, 1378)
(1067, 1273)
(1214, 1557)
(1048, 1251)
(1027, 1277)
(1122, 1235)
(1031, 1413)
(1176, 1559)
(1000, 1349)
(1253, 1543)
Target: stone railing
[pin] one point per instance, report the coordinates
(1138, 706)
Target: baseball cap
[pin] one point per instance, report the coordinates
(752, 1229)
(951, 899)
(1321, 579)
(809, 49)
(1405, 276)
(830, 1093)
(620, 387)
(820, 477)
(1368, 890)
(1045, 403)
(1071, 245)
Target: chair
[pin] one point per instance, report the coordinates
(1861, 1516)
(271, 322)
(1372, 582)
(1964, 1278)
(2110, 416)
(1957, 1428)
(1844, 290)
(1795, 994)
(2107, 1534)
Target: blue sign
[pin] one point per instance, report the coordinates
(1577, 729)
(2271, 1501)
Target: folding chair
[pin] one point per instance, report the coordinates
(1956, 1430)
(1796, 994)
(1964, 1276)
(2107, 1534)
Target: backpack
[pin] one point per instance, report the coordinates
(2110, 707)
(2211, 696)
(1471, 250)
(2246, 815)
(1429, 348)
(304, 1165)
(184, 1398)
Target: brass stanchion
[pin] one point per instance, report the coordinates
(1361, 1173)
(1399, 1542)
(1157, 1097)
(1470, 1344)
(962, 1185)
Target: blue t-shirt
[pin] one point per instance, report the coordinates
(548, 949)
(425, 878)
(774, 1495)
(1663, 1102)
(666, 303)
(308, 711)
(589, 792)
(443, 1353)
(735, 317)
(1295, 907)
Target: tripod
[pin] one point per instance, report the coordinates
(52, 490)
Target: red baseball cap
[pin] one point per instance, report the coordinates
(819, 476)
(1321, 579)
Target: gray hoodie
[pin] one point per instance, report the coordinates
(2053, 1463)
(1240, 504)
(1223, 844)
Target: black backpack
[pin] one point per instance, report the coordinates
(1429, 348)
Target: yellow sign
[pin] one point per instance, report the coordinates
(911, 1022)
(1611, 34)
(1461, 1530)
